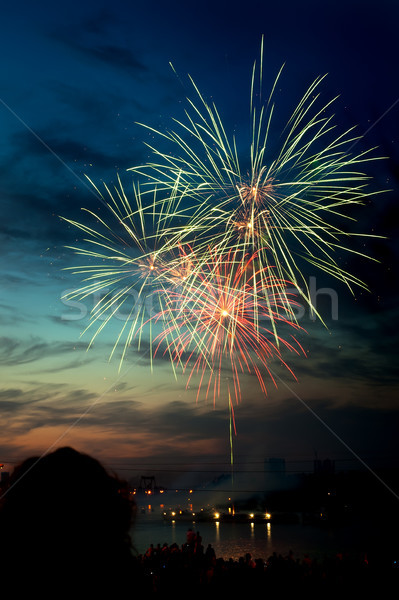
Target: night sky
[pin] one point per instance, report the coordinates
(75, 80)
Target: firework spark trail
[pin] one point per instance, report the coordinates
(220, 320)
(128, 252)
(285, 206)
(218, 241)
(178, 281)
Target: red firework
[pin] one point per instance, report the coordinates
(220, 320)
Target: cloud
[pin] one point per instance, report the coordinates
(62, 151)
(125, 424)
(13, 279)
(91, 109)
(73, 364)
(99, 23)
(11, 393)
(14, 318)
(87, 38)
(120, 412)
(17, 352)
(115, 56)
(44, 176)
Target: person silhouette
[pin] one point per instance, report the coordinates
(65, 528)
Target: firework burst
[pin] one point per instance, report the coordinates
(217, 325)
(220, 241)
(286, 207)
(130, 259)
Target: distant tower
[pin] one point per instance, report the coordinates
(147, 484)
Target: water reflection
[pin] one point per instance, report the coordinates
(235, 539)
(252, 535)
(217, 532)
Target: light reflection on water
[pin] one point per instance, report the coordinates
(232, 540)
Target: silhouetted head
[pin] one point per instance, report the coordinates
(63, 517)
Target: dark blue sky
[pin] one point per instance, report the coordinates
(74, 81)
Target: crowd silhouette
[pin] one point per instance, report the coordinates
(176, 569)
(65, 526)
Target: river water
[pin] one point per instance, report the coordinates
(232, 540)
